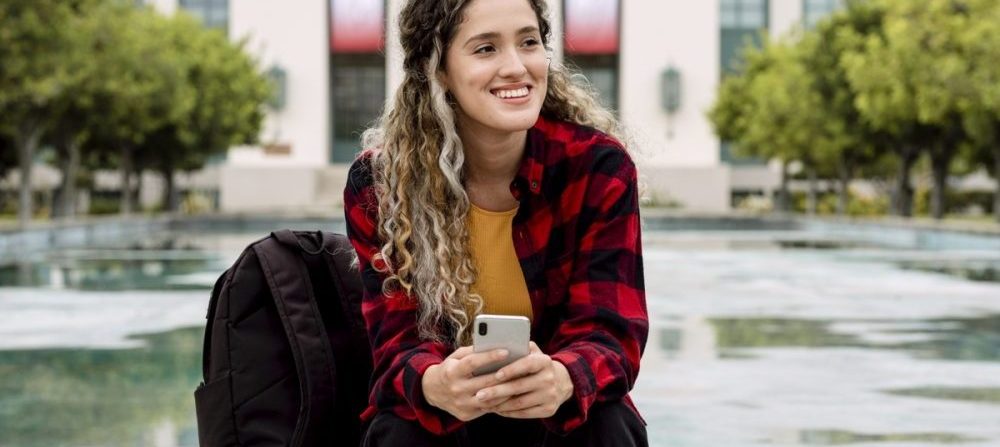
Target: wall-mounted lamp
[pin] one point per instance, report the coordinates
(670, 91)
(279, 81)
(670, 88)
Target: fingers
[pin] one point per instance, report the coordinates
(512, 388)
(530, 364)
(522, 402)
(461, 353)
(478, 360)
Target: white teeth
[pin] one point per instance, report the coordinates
(506, 94)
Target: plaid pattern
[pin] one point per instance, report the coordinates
(576, 234)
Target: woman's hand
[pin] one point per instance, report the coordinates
(451, 386)
(533, 387)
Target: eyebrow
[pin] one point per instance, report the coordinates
(494, 35)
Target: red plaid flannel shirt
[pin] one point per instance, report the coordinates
(576, 234)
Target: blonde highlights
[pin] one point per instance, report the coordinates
(418, 172)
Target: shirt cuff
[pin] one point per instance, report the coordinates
(573, 412)
(433, 419)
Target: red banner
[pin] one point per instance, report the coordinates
(357, 26)
(591, 26)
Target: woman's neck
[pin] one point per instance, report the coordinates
(492, 158)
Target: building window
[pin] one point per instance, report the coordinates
(815, 10)
(212, 13)
(602, 73)
(592, 44)
(357, 83)
(741, 23)
(357, 72)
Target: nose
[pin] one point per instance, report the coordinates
(513, 65)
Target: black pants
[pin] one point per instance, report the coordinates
(608, 425)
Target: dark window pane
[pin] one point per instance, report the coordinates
(602, 73)
(752, 18)
(740, 26)
(729, 13)
(733, 43)
(211, 13)
(358, 94)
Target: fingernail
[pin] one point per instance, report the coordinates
(481, 395)
(500, 375)
(502, 353)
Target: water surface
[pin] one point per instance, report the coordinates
(759, 337)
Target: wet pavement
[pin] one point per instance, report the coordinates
(771, 337)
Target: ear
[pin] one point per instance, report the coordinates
(442, 77)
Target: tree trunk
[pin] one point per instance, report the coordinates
(813, 199)
(27, 143)
(126, 183)
(903, 199)
(783, 197)
(996, 176)
(137, 189)
(844, 194)
(70, 167)
(170, 199)
(939, 167)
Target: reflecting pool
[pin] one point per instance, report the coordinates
(761, 337)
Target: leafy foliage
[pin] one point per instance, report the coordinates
(881, 80)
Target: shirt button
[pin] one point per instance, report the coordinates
(534, 185)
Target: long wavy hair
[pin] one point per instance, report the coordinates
(418, 170)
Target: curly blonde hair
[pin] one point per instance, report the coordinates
(418, 170)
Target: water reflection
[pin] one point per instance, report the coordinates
(973, 339)
(985, 271)
(980, 395)
(130, 397)
(775, 332)
(841, 437)
(116, 271)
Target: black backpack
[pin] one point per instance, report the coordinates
(286, 360)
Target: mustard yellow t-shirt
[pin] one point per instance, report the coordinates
(500, 281)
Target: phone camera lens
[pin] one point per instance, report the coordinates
(482, 328)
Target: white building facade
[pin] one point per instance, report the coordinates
(657, 62)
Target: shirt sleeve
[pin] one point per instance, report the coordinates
(400, 358)
(603, 332)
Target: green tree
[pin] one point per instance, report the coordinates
(981, 40)
(73, 110)
(227, 110)
(771, 111)
(733, 113)
(913, 81)
(144, 88)
(788, 114)
(847, 140)
(35, 39)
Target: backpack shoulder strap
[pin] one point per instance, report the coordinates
(206, 351)
(288, 278)
(343, 268)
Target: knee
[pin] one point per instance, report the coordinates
(609, 424)
(390, 430)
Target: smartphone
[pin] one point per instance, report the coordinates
(500, 332)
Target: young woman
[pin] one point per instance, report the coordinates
(493, 185)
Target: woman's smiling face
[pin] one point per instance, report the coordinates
(496, 66)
